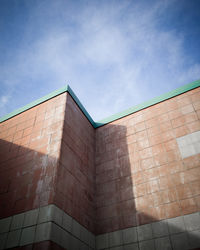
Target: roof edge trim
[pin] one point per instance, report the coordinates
(46, 98)
(111, 118)
(149, 103)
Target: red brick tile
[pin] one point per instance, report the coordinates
(155, 140)
(147, 163)
(166, 182)
(156, 130)
(152, 122)
(140, 190)
(27, 131)
(191, 117)
(138, 178)
(165, 126)
(163, 118)
(187, 109)
(161, 212)
(171, 104)
(172, 210)
(152, 174)
(193, 126)
(131, 139)
(192, 175)
(152, 186)
(171, 145)
(196, 105)
(180, 121)
(140, 126)
(184, 191)
(173, 156)
(195, 97)
(126, 194)
(183, 101)
(17, 135)
(135, 167)
(176, 166)
(157, 149)
(197, 201)
(192, 161)
(141, 203)
(161, 159)
(145, 153)
(195, 187)
(143, 217)
(188, 206)
(175, 114)
(181, 131)
(155, 199)
(142, 144)
(168, 135)
(198, 113)
(128, 221)
(142, 135)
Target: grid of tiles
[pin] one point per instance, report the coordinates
(189, 144)
(180, 233)
(29, 152)
(141, 176)
(42, 224)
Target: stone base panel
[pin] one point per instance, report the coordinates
(47, 223)
(50, 223)
(180, 233)
(189, 144)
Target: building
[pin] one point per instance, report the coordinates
(131, 181)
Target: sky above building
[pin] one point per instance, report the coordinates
(113, 54)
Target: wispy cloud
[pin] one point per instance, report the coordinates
(113, 54)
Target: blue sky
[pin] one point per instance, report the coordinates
(113, 54)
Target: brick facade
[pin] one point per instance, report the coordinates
(130, 172)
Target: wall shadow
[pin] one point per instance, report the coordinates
(128, 193)
(28, 181)
(27, 178)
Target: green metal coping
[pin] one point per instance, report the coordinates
(149, 103)
(112, 118)
(46, 98)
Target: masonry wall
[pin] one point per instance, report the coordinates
(134, 183)
(29, 151)
(148, 177)
(47, 178)
(75, 180)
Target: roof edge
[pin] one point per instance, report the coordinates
(46, 98)
(149, 103)
(111, 118)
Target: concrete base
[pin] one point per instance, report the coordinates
(47, 223)
(50, 223)
(178, 233)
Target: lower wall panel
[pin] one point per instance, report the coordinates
(178, 233)
(60, 231)
(47, 223)
(44, 245)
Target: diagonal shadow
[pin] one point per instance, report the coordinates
(129, 192)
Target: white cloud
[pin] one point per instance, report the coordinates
(113, 55)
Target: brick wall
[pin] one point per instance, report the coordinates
(135, 176)
(29, 151)
(141, 176)
(75, 179)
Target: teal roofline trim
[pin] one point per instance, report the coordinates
(112, 118)
(75, 98)
(46, 98)
(34, 103)
(149, 103)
